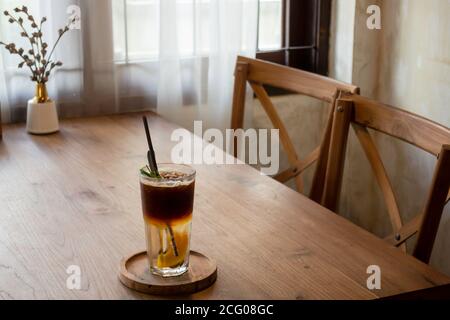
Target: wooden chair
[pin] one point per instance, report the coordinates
(259, 73)
(429, 136)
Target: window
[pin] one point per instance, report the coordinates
(290, 32)
(136, 28)
(130, 19)
(270, 24)
(301, 40)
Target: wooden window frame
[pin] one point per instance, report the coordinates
(305, 36)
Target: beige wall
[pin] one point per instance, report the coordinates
(342, 28)
(407, 64)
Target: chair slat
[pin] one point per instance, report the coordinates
(318, 183)
(240, 84)
(307, 83)
(272, 113)
(400, 124)
(338, 146)
(434, 206)
(309, 160)
(276, 121)
(301, 166)
(406, 232)
(286, 175)
(380, 174)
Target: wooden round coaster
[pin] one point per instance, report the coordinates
(135, 274)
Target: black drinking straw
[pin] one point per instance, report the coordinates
(151, 152)
(154, 168)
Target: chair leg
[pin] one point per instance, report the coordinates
(318, 184)
(336, 159)
(434, 207)
(240, 84)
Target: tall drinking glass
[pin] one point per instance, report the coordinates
(167, 204)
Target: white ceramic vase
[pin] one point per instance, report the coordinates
(42, 118)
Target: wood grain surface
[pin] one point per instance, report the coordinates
(72, 198)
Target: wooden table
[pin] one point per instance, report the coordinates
(72, 198)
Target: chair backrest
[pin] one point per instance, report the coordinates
(259, 73)
(427, 135)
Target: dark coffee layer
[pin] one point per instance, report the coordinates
(167, 203)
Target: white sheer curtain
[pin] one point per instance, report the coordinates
(173, 55)
(201, 76)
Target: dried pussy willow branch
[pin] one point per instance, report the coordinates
(37, 58)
